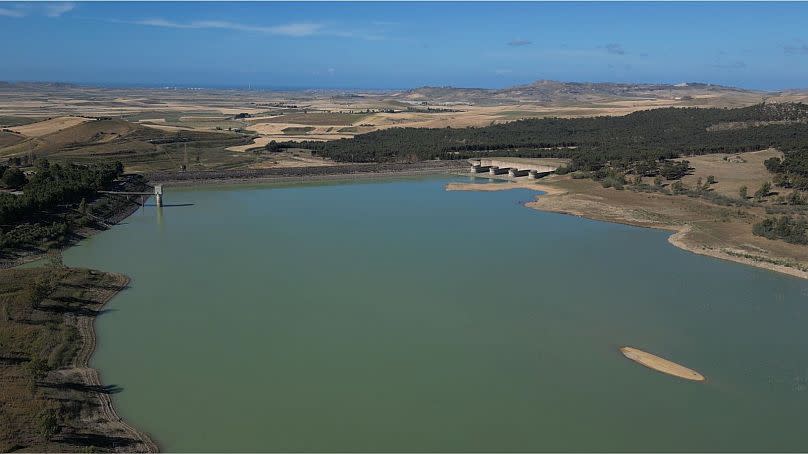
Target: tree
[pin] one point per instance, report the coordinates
(795, 198)
(39, 289)
(677, 187)
(773, 165)
(38, 368)
(710, 179)
(55, 262)
(13, 178)
(743, 192)
(763, 191)
(47, 422)
(273, 146)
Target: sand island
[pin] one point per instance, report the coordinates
(661, 364)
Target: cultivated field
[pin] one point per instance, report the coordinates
(168, 128)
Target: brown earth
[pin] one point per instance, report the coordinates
(59, 405)
(50, 126)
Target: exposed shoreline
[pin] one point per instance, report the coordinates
(345, 172)
(108, 417)
(21, 257)
(560, 200)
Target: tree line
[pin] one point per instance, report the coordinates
(26, 218)
(592, 143)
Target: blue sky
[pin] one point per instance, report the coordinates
(401, 45)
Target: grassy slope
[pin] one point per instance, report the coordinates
(138, 147)
(50, 411)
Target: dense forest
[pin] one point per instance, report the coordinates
(31, 217)
(591, 143)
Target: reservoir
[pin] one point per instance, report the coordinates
(396, 316)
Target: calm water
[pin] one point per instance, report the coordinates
(395, 316)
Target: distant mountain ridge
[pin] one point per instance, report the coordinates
(552, 91)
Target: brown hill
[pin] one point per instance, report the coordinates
(8, 138)
(74, 137)
(567, 93)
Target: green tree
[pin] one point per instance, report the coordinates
(273, 146)
(38, 290)
(83, 207)
(763, 191)
(38, 368)
(13, 178)
(710, 179)
(47, 422)
(743, 192)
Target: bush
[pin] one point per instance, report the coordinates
(786, 228)
(13, 178)
(773, 165)
(38, 368)
(763, 191)
(47, 423)
(675, 170)
(273, 146)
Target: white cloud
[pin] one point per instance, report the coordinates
(295, 29)
(50, 9)
(57, 9)
(11, 12)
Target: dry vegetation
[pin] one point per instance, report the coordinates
(257, 117)
(50, 400)
(698, 223)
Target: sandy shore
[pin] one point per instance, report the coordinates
(661, 364)
(604, 206)
(548, 190)
(679, 239)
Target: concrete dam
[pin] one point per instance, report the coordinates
(514, 167)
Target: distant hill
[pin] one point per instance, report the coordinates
(566, 93)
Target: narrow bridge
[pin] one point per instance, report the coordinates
(513, 167)
(158, 193)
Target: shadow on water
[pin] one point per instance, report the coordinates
(102, 441)
(83, 387)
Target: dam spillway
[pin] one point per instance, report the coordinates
(515, 167)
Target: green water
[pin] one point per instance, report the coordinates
(396, 316)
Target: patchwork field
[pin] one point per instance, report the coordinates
(168, 128)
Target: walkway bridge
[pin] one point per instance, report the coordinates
(158, 194)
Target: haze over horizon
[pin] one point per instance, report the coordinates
(405, 45)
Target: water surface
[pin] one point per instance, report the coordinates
(396, 316)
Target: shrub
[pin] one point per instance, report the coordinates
(786, 228)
